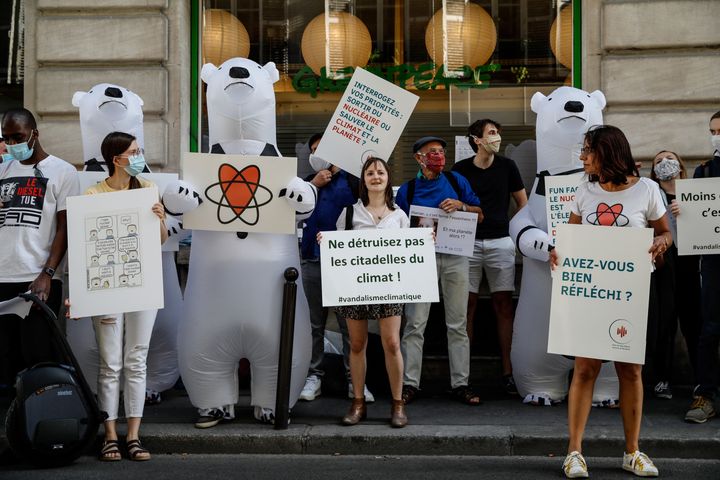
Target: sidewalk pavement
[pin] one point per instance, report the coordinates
(501, 426)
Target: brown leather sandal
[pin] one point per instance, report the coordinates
(110, 451)
(136, 452)
(466, 395)
(409, 393)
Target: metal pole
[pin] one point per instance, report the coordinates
(287, 333)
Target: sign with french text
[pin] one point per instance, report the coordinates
(367, 122)
(698, 225)
(378, 266)
(600, 292)
(454, 232)
(559, 196)
(114, 257)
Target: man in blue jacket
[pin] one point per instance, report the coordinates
(450, 192)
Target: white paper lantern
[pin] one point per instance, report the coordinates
(223, 37)
(348, 42)
(561, 37)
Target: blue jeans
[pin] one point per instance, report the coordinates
(708, 364)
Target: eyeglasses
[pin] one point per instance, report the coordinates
(139, 151)
(432, 151)
(586, 150)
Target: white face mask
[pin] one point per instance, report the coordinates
(493, 144)
(715, 140)
(318, 163)
(666, 169)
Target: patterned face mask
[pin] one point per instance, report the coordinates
(666, 169)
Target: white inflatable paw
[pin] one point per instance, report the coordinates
(180, 197)
(301, 196)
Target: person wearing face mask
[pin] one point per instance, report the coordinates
(708, 364)
(450, 192)
(123, 339)
(337, 189)
(34, 186)
(675, 286)
(494, 179)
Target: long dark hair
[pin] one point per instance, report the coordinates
(613, 155)
(114, 144)
(683, 170)
(388, 188)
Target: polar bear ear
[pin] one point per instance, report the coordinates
(536, 101)
(77, 96)
(207, 72)
(139, 99)
(272, 71)
(599, 98)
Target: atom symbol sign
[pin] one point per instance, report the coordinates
(237, 194)
(608, 215)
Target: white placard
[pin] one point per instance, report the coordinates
(162, 180)
(378, 266)
(600, 293)
(559, 195)
(368, 121)
(463, 149)
(240, 193)
(114, 258)
(455, 233)
(698, 225)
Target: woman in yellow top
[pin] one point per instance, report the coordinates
(124, 160)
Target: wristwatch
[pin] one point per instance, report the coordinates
(464, 207)
(49, 271)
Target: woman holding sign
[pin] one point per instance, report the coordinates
(123, 338)
(614, 195)
(374, 209)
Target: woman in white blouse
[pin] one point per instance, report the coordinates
(374, 209)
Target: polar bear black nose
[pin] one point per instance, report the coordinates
(574, 107)
(113, 92)
(239, 72)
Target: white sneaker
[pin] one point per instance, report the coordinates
(369, 397)
(311, 390)
(574, 465)
(639, 464)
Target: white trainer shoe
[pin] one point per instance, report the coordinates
(639, 464)
(369, 397)
(311, 390)
(574, 466)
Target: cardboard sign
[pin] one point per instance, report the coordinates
(463, 149)
(559, 195)
(115, 263)
(455, 232)
(240, 193)
(378, 266)
(367, 122)
(698, 225)
(600, 293)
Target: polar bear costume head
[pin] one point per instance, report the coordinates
(107, 108)
(563, 117)
(240, 100)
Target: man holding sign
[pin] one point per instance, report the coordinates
(451, 192)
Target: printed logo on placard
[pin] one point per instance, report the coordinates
(621, 331)
(238, 194)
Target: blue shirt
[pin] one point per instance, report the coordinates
(332, 199)
(430, 193)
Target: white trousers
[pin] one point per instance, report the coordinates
(123, 340)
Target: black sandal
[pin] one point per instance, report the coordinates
(110, 451)
(136, 452)
(465, 394)
(409, 393)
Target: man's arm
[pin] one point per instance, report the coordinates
(41, 285)
(520, 198)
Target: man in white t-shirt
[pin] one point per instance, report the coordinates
(33, 233)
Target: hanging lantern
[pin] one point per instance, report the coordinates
(470, 36)
(561, 36)
(224, 37)
(337, 41)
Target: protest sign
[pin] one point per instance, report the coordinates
(240, 193)
(367, 122)
(378, 266)
(114, 253)
(463, 149)
(698, 225)
(600, 293)
(161, 180)
(455, 233)
(559, 195)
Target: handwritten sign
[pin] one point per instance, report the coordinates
(463, 149)
(455, 233)
(559, 195)
(368, 121)
(698, 225)
(600, 293)
(378, 266)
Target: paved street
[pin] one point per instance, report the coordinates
(308, 467)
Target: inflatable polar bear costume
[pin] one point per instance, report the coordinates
(233, 298)
(563, 117)
(107, 108)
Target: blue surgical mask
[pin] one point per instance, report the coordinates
(7, 158)
(20, 151)
(136, 165)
